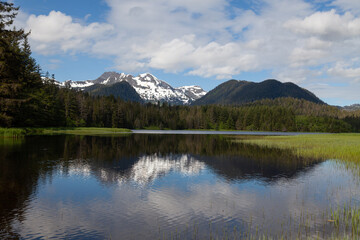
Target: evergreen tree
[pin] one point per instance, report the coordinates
(19, 78)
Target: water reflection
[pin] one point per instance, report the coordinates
(140, 186)
(146, 169)
(143, 158)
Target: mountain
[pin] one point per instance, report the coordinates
(119, 89)
(148, 87)
(238, 92)
(353, 107)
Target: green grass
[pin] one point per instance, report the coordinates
(86, 131)
(11, 132)
(20, 132)
(344, 147)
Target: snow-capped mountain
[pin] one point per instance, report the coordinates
(149, 88)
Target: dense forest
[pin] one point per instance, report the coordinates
(28, 99)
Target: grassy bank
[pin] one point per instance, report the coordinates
(86, 131)
(325, 146)
(20, 132)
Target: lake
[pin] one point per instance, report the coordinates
(171, 186)
(209, 132)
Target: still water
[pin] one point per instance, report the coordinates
(207, 132)
(146, 186)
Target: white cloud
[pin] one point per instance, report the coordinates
(173, 56)
(343, 70)
(57, 32)
(315, 43)
(222, 60)
(304, 56)
(296, 75)
(328, 25)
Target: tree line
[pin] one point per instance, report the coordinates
(28, 99)
(60, 107)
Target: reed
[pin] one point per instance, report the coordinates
(344, 147)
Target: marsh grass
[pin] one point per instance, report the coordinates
(21, 132)
(344, 147)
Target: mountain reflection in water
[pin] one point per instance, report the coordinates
(145, 169)
(143, 158)
(88, 187)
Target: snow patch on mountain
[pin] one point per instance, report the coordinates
(193, 92)
(76, 84)
(149, 87)
(152, 89)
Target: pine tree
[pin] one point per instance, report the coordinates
(19, 79)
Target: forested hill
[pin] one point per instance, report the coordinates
(235, 92)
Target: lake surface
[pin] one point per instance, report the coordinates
(148, 186)
(205, 132)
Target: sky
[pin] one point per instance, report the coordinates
(312, 43)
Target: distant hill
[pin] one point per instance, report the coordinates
(119, 89)
(354, 107)
(239, 92)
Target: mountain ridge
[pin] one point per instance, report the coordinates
(240, 91)
(151, 89)
(147, 86)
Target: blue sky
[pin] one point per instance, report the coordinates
(314, 44)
